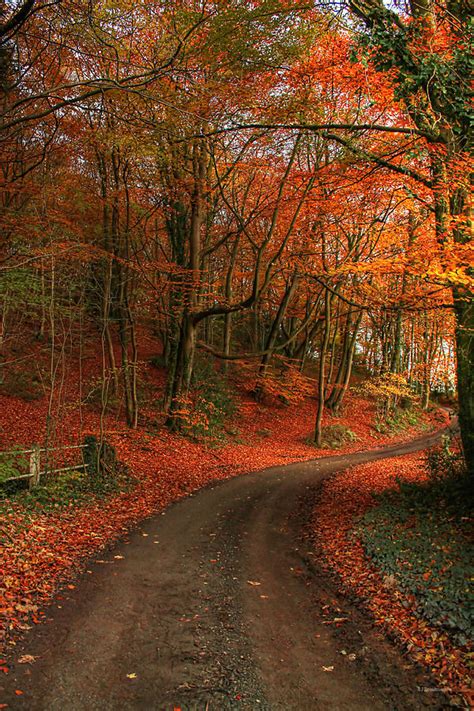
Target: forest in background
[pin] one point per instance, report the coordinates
(274, 191)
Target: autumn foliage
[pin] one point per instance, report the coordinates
(223, 219)
(340, 527)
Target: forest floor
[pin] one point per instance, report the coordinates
(399, 541)
(50, 532)
(218, 603)
(50, 535)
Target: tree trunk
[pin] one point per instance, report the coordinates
(273, 334)
(182, 373)
(343, 386)
(464, 336)
(321, 379)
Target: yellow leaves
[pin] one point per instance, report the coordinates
(27, 659)
(26, 608)
(388, 385)
(387, 265)
(454, 264)
(459, 277)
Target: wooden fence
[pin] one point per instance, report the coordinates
(34, 473)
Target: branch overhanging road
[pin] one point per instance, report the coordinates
(216, 604)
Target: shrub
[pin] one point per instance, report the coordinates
(12, 464)
(443, 463)
(389, 390)
(335, 436)
(158, 361)
(22, 385)
(399, 419)
(211, 404)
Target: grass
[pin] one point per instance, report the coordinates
(61, 491)
(398, 421)
(421, 534)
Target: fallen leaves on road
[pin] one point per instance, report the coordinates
(27, 659)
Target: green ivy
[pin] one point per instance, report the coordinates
(420, 533)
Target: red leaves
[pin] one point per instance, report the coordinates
(43, 551)
(346, 497)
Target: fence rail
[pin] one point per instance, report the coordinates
(45, 449)
(34, 473)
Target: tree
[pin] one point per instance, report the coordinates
(427, 55)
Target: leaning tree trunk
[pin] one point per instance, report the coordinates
(273, 335)
(321, 380)
(331, 398)
(344, 384)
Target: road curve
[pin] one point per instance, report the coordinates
(217, 603)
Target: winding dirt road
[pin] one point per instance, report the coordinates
(218, 603)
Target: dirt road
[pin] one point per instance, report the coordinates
(217, 604)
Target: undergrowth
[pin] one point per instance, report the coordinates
(60, 491)
(12, 464)
(334, 437)
(419, 533)
(398, 420)
(25, 386)
(213, 405)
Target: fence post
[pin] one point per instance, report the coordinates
(34, 468)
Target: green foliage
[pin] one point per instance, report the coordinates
(60, 491)
(12, 464)
(400, 419)
(420, 533)
(158, 361)
(269, 34)
(100, 459)
(421, 74)
(212, 404)
(335, 437)
(56, 492)
(445, 466)
(21, 286)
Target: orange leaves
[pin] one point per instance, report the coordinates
(44, 550)
(288, 382)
